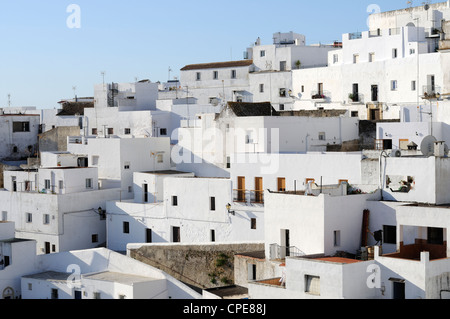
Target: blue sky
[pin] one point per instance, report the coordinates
(42, 59)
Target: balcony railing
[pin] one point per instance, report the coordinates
(355, 35)
(248, 196)
(375, 33)
(431, 91)
(281, 252)
(320, 95)
(356, 97)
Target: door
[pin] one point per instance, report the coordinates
(320, 88)
(287, 242)
(14, 184)
(176, 238)
(148, 235)
(77, 294)
(281, 184)
(431, 84)
(241, 189)
(47, 247)
(145, 192)
(398, 290)
(374, 93)
(258, 190)
(355, 92)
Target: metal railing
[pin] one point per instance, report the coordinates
(281, 252)
(431, 91)
(248, 196)
(320, 95)
(356, 97)
(375, 33)
(355, 35)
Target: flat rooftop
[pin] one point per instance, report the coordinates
(339, 260)
(123, 278)
(165, 172)
(50, 276)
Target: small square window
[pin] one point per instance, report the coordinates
(46, 219)
(198, 76)
(233, 74)
(262, 53)
(215, 75)
(95, 238)
(30, 286)
(394, 85)
(126, 165)
(261, 88)
(253, 223)
(29, 217)
(88, 183)
(163, 131)
(322, 136)
(127, 131)
(110, 131)
(94, 131)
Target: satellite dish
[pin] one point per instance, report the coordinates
(427, 145)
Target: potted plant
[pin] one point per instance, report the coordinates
(298, 64)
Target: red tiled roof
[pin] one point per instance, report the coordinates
(217, 65)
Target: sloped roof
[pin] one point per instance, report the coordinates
(217, 65)
(242, 109)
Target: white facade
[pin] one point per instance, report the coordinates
(99, 274)
(18, 135)
(191, 210)
(118, 158)
(16, 259)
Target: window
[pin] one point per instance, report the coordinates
(412, 51)
(371, 57)
(94, 131)
(394, 85)
(394, 53)
(262, 53)
(160, 158)
(174, 200)
(335, 58)
(282, 65)
(95, 238)
(261, 88)
(215, 75)
(163, 131)
(110, 131)
(413, 85)
(228, 162)
(97, 295)
(213, 235)
(127, 131)
(355, 114)
(47, 184)
(21, 127)
(233, 74)
(60, 184)
(54, 293)
(212, 203)
(312, 285)
(126, 227)
(303, 89)
(253, 223)
(322, 136)
(251, 271)
(198, 76)
(29, 217)
(281, 107)
(355, 58)
(30, 286)
(46, 219)
(337, 238)
(126, 165)
(88, 183)
(282, 92)
(95, 159)
(389, 234)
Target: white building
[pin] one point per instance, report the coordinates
(99, 274)
(16, 259)
(117, 158)
(18, 134)
(173, 206)
(60, 207)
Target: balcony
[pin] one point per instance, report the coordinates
(248, 196)
(355, 35)
(431, 92)
(320, 96)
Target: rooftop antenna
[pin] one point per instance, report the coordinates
(9, 100)
(170, 70)
(74, 88)
(103, 76)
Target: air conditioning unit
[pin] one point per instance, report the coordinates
(396, 153)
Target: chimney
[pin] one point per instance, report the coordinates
(439, 149)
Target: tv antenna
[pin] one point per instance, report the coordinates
(9, 100)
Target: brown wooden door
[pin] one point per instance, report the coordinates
(259, 189)
(241, 188)
(281, 184)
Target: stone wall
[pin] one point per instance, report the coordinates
(203, 266)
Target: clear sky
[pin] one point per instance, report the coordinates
(42, 59)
